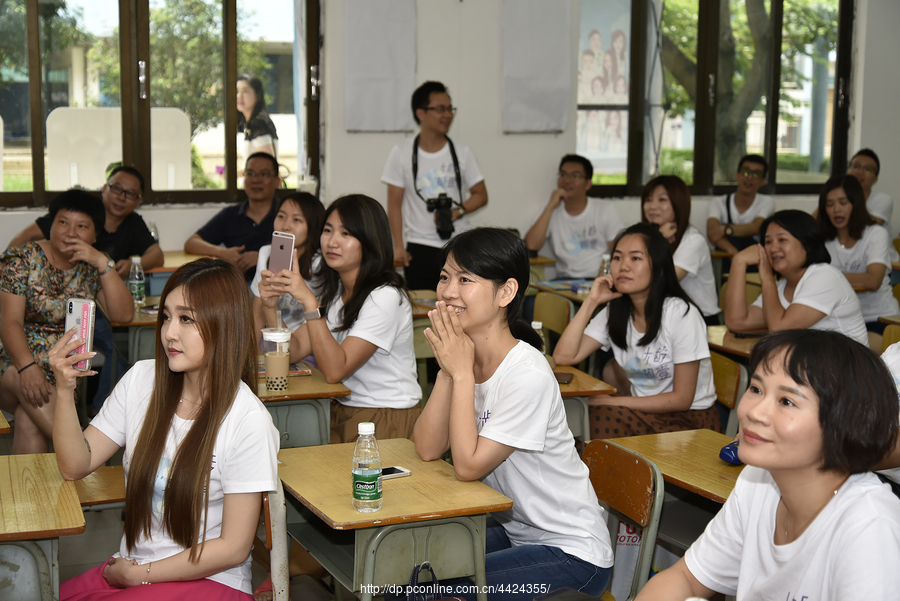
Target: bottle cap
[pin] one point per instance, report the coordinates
(537, 325)
(135, 259)
(366, 428)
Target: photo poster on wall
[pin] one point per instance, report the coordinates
(604, 43)
(536, 68)
(379, 65)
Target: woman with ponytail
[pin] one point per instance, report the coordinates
(497, 406)
(200, 447)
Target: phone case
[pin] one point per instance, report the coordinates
(282, 251)
(81, 312)
(563, 377)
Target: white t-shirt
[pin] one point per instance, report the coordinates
(291, 310)
(873, 247)
(693, 256)
(851, 550)
(554, 502)
(651, 369)
(578, 242)
(388, 378)
(825, 289)
(244, 461)
(881, 205)
(435, 175)
(891, 358)
(762, 206)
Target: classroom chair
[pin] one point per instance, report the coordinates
(751, 292)
(631, 488)
(554, 312)
(730, 379)
(891, 336)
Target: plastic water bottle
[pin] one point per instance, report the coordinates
(604, 264)
(136, 282)
(538, 327)
(366, 471)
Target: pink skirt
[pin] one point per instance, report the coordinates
(92, 586)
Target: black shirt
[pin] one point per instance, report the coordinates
(231, 227)
(131, 238)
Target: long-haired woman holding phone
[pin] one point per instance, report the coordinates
(497, 406)
(658, 337)
(200, 447)
(359, 326)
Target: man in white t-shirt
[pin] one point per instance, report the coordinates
(418, 171)
(578, 229)
(733, 220)
(865, 167)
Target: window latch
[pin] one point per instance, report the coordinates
(712, 89)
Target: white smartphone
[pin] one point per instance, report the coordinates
(282, 251)
(395, 471)
(80, 313)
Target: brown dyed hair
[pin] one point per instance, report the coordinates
(218, 295)
(679, 196)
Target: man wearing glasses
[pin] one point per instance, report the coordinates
(733, 220)
(578, 229)
(124, 232)
(420, 169)
(237, 232)
(865, 167)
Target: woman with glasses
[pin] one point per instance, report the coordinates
(253, 118)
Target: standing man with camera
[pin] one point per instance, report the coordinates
(426, 177)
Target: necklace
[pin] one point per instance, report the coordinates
(810, 520)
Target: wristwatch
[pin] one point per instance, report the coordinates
(461, 210)
(729, 231)
(317, 313)
(110, 264)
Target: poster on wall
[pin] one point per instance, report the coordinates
(604, 83)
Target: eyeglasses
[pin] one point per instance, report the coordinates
(262, 174)
(860, 167)
(570, 175)
(441, 109)
(120, 191)
(753, 174)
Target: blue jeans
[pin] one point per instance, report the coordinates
(541, 567)
(104, 344)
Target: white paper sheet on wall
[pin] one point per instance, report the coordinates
(537, 66)
(379, 64)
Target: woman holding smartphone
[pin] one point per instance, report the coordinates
(811, 293)
(200, 447)
(658, 337)
(359, 328)
(36, 280)
(497, 406)
(300, 214)
(806, 519)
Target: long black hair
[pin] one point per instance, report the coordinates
(805, 229)
(366, 221)
(313, 213)
(497, 255)
(860, 218)
(663, 284)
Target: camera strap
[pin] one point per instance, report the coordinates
(415, 168)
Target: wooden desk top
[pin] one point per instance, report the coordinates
(541, 260)
(718, 253)
(140, 318)
(890, 319)
(173, 260)
(4, 425)
(35, 501)
(106, 485)
(320, 478)
(690, 460)
(312, 386)
(572, 296)
(720, 339)
(582, 384)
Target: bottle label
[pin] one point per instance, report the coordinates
(367, 487)
(137, 288)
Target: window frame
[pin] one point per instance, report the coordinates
(705, 111)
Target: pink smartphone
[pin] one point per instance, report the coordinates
(80, 314)
(282, 251)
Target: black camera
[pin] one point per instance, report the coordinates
(442, 205)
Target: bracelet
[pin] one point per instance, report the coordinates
(27, 366)
(148, 574)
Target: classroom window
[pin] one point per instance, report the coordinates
(15, 111)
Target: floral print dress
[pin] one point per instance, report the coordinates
(26, 271)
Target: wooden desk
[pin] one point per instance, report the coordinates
(428, 515)
(538, 267)
(723, 341)
(302, 413)
(689, 460)
(140, 319)
(565, 293)
(173, 259)
(890, 319)
(4, 425)
(583, 384)
(105, 485)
